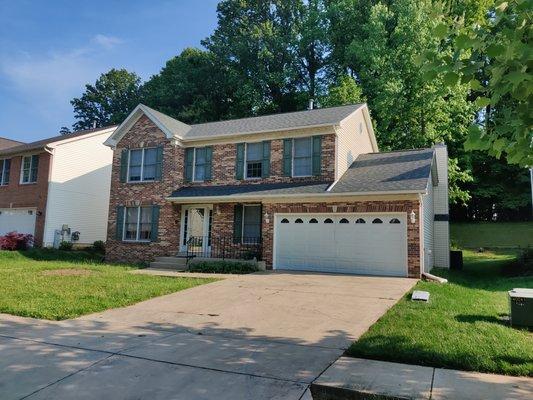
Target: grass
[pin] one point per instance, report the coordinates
(464, 326)
(492, 234)
(58, 285)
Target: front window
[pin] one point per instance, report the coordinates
(251, 224)
(302, 157)
(199, 164)
(5, 167)
(28, 172)
(138, 223)
(254, 158)
(142, 165)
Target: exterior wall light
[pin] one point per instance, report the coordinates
(412, 216)
(267, 220)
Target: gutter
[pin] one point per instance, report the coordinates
(323, 195)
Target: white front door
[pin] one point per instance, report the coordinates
(370, 244)
(21, 220)
(195, 228)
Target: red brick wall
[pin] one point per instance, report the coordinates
(145, 134)
(224, 159)
(34, 195)
(413, 230)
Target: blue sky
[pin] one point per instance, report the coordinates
(49, 49)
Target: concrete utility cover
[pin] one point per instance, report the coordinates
(263, 336)
(420, 295)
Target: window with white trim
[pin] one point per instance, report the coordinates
(142, 165)
(254, 160)
(251, 223)
(137, 224)
(302, 157)
(200, 162)
(28, 171)
(5, 168)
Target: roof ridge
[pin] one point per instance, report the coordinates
(399, 151)
(276, 114)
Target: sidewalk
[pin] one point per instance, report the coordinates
(356, 378)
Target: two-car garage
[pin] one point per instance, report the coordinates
(370, 243)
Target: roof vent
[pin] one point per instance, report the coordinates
(311, 104)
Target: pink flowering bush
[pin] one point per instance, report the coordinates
(16, 241)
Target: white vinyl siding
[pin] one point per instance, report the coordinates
(441, 232)
(353, 139)
(78, 191)
(428, 216)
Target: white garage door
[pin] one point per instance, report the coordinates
(370, 244)
(21, 220)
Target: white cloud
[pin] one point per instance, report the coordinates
(107, 42)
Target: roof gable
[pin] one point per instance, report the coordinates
(179, 131)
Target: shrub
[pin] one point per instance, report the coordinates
(99, 246)
(65, 245)
(16, 241)
(522, 266)
(223, 267)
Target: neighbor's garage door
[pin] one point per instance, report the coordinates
(17, 219)
(372, 244)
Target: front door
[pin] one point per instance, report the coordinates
(195, 230)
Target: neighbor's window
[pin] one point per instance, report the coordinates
(302, 157)
(254, 158)
(142, 165)
(138, 223)
(199, 163)
(28, 172)
(251, 224)
(5, 167)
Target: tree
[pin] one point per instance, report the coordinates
(494, 59)
(386, 39)
(344, 91)
(193, 88)
(109, 101)
(64, 130)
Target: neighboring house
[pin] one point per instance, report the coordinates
(7, 143)
(63, 180)
(303, 190)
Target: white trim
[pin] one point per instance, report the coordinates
(260, 220)
(193, 178)
(239, 198)
(292, 157)
(245, 172)
(68, 139)
(207, 208)
(3, 170)
(138, 230)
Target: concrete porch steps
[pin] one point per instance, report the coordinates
(170, 263)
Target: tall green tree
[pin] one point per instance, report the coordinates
(344, 91)
(109, 101)
(193, 88)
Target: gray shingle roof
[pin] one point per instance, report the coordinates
(6, 143)
(383, 172)
(39, 144)
(275, 122)
(260, 189)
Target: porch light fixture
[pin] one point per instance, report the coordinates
(334, 208)
(412, 216)
(267, 220)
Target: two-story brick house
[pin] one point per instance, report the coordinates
(309, 190)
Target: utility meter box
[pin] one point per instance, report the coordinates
(521, 307)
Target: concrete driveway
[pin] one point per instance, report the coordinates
(261, 336)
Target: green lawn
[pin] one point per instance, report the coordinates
(492, 234)
(464, 325)
(59, 285)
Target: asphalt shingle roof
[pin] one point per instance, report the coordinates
(383, 172)
(260, 189)
(6, 143)
(39, 144)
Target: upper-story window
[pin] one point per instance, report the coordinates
(254, 160)
(5, 168)
(302, 164)
(142, 166)
(302, 156)
(29, 169)
(198, 163)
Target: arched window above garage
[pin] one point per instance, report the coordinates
(360, 221)
(284, 221)
(377, 221)
(394, 221)
(344, 221)
(313, 221)
(299, 221)
(328, 221)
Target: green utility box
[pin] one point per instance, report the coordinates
(521, 305)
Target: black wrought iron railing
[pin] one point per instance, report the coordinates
(224, 247)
